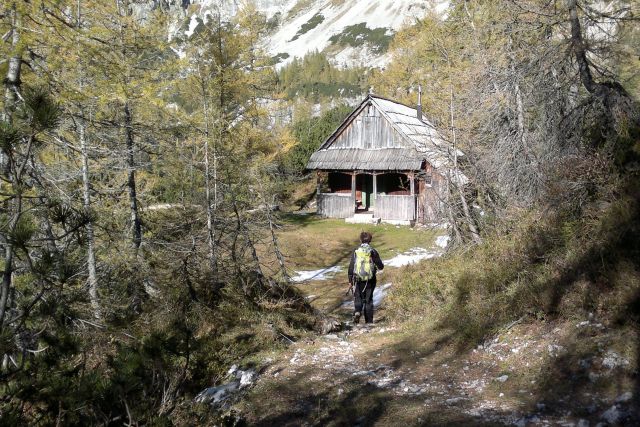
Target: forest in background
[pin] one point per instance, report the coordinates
(138, 176)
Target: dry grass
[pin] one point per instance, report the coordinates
(549, 266)
(310, 242)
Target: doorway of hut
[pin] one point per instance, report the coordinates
(364, 193)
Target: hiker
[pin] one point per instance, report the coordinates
(365, 261)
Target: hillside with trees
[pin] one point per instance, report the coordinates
(147, 249)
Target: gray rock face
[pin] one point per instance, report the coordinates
(247, 378)
(583, 423)
(624, 397)
(612, 415)
(329, 325)
(527, 421)
(613, 360)
(219, 394)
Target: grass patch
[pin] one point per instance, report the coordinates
(312, 242)
(359, 34)
(312, 23)
(276, 59)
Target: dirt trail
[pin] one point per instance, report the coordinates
(386, 375)
(411, 374)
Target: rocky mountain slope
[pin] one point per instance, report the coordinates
(351, 32)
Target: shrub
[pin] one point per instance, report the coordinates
(551, 264)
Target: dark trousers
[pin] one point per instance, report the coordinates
(364, 299)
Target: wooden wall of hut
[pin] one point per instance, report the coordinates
(369, 130)
(432, 197)
(335, 205)
(396, 207)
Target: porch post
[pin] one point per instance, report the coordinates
(353, 188)
(375, 187)
(318, 183)
(411, 183)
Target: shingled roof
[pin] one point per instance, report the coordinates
(418, 141)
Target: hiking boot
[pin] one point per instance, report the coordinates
(356, 317)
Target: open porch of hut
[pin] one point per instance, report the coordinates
(383, 163)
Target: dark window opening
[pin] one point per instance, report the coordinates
(339, 182)
(394, 184)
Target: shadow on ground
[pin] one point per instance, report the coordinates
(348, 401)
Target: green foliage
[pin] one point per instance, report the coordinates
(274, 22)
(315, 78)
(310, 133)
(279, 58)
(359, 35)
(312, 23)
(171, 317)
(9, 136)
(42, 111)
(23, 231)
(162, 324)
(150, 356)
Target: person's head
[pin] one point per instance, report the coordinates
(365, 237)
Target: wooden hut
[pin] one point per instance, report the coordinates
(384, 162)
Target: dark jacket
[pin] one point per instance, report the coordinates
(375, 257)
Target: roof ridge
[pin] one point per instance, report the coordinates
(424, 120)
(391, 100)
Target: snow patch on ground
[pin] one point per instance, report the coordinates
(193, 24)
(322, 274)
(411, 256)
(442, 241)
(379, 293)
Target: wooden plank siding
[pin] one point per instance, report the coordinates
(336, 205)
(432, 196)
(396, 207)
(369, 130)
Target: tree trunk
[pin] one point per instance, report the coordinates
(274, 238)
(16, 174)
(9, 252)
(136, 226)
(452, 219)
(211, 233)
(620, 107)
(210, 213)
(579, 48)
(12, 80)
(86, 193)
(463, 201)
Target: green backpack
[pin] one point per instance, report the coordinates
(363, 268)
